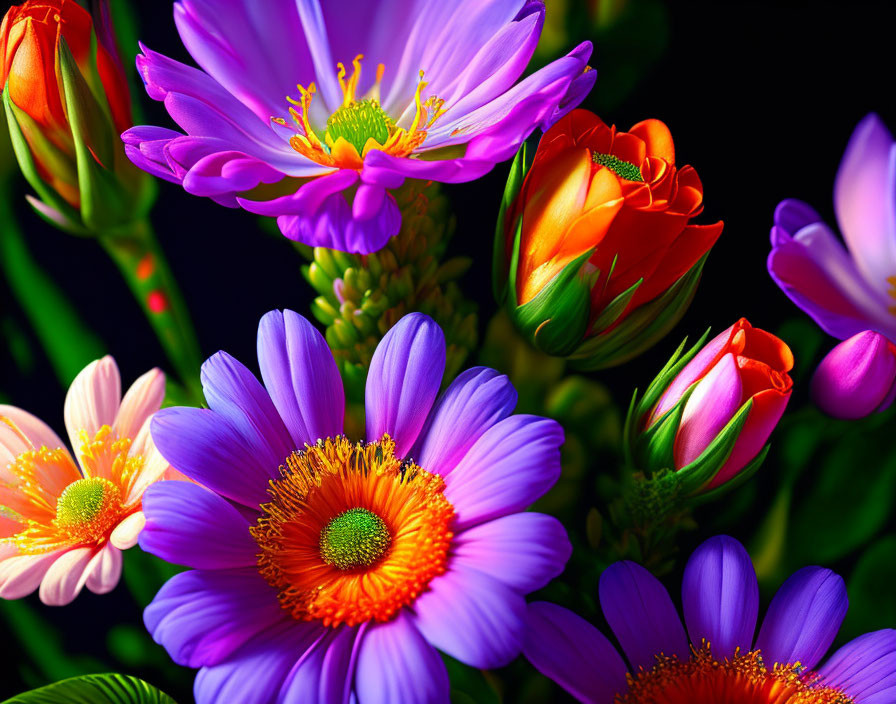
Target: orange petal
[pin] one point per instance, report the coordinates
(657, 137)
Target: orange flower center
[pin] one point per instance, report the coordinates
(359, 124)
(59, 505)
(352, 533)
(743, 679)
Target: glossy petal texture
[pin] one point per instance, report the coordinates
(855, 377)
(721, 596)
(573, 653)
(641, 614)
(403, 380)
(803, 618)
(865, 668)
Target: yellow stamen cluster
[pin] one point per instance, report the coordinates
(359, 125)
(743, 679)
(88, 509)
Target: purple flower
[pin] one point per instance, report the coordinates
(846, 290)
(857, 377)
(326, 570)
(717, 655)
(431, 94)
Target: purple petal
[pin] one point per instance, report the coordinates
(324, 673)
(472, 617)
(525, 551)
(189, 525)
(865, 202)
(573, 653)
(248, 47)
(301, 377)
(865, 668)
(228, 172)
(855, 377)
(641, 614)
(312, 20)
(255, 673)
(207, 448)
(711, 405)
(202, 617)
(803, 618)
(476, 400)
(793, 215)
(514, 463)
(403, 380)
(721, 597)
(396, 664)
(310, 199)
(233, 392)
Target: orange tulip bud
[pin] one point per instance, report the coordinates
(614, 205)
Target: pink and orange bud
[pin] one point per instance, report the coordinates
(601, 227)
(857, 377)
(67, 102)
(706, 418)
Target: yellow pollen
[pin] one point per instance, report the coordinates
(88, 509)
(360, 124)
(352, 533)
(743, 679)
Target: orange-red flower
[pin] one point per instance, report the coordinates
(615, 205)
(63, 84)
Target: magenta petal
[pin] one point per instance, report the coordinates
(573, 653)
(855, 377)
(865, 202)
(301, 377)
(472, 617)
(711, 405)
(803, 618)
(792, 215)
(865, 668)
(189, 525)
(403, 380)
(201, 617)
(396, 664)
(641, 614)
(721, 597)
(255, 672)
(525, 551)
(308, 200)
(514, 463)
(477, 399)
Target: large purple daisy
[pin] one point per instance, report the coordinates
(716, 660)
(327, 570)
(277, 124)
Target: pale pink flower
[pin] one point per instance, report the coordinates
(65, 517)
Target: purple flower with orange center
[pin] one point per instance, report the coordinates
(713, 658)
(277, 123)
(330, 570)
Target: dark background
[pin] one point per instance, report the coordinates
(761, 98)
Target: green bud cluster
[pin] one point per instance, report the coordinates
(360, 297)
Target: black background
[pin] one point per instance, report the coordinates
(761, 98)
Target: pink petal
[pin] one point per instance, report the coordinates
(154, 468)
(21, 574)
(104, 570)
(711, 405)
(33, 428)
(125, 534)
(93, 399)
(66, 577)
(139, 403)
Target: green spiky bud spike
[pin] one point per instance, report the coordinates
(361, 297)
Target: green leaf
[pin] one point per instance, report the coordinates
(511, 191)
(95, 689)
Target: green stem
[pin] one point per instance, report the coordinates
(144, 268)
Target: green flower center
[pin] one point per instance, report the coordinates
(359, 121)
(83, 500)
(623, 169)
(355, 538)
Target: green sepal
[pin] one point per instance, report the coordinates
(641, 329)
(737, 480)
(703, 470)
(104, 204)
(655, 446)
(555, 320)
(27, 163)
(611, 312)
(95, 689)
(512, 189)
